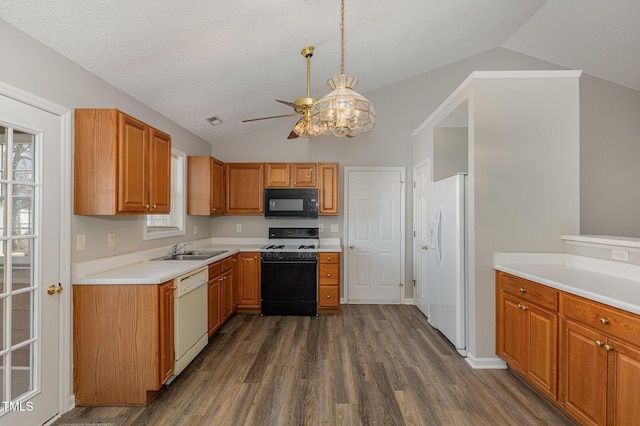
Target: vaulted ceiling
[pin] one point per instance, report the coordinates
(194, 59)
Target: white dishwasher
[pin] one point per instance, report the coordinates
(190, 317)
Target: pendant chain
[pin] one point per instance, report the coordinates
(342, 34)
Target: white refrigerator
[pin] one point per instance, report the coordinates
(448, 266)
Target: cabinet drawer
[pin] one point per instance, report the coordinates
(606, 319)
(227, 263)
(539, 294)
(328, 296)
(328, 258)
(214, 269)
(329, 274)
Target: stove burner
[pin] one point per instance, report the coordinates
(274, 247)
(306, 247)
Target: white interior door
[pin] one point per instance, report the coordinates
(30, 188)
(422, 177)
(375, 222)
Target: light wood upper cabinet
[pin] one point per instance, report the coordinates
(277, 175)
(244, 186)
(304, 175)
(121, 165)
(205, 186)
(328, 189)
(291, 175)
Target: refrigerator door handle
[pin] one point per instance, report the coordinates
(438, 236)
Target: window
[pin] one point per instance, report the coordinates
(172, 224)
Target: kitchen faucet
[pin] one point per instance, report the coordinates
(179, 247)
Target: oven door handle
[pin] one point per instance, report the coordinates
(288, 262)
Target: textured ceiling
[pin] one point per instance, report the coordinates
(194, 59)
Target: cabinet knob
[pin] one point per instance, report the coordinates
(328, 296)
(599, 343)
(523, 290)
(146, 206)
(155, 206)
(329, 258)
(524, 308)
(328, 275)
(604, 321)
(608, 348)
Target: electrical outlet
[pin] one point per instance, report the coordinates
(195, 229)
(320, 227)
(80, 242)
(238, 227)
(335, 227)
(622, 255)
(111, 239)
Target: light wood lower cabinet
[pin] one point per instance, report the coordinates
(122, 342)
(595, 347)
(249, 282)
(527, 330)
(222, 293)
(328, 282)
(600, 353)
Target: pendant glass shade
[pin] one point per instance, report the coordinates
(305, 129)
(343, 112)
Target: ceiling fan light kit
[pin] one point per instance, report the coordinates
(343, 112)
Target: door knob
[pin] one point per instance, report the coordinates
(53, 289)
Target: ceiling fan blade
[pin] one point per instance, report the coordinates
(267, 118)
(292, 135)
(296, 107)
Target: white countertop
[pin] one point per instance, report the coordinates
(613, 283)
(137, 268)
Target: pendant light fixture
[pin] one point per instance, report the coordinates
(343, 112)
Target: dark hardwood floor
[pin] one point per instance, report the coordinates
(370, 365)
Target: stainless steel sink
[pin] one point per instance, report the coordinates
(193, 255)
(209, 253)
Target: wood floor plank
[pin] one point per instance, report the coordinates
(369, 365)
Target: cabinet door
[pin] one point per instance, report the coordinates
(304, 175)
(542, 356)
(277, 175)
(217, 185)
(623, 365)
(199, 185)
(328, 188)
(249, 280)
(227, 295)
(166, 350)
(244, 188)
(235, 288)
(512, 339)
(583, 373)
(160, 173)
(213, 308)
(132, 165)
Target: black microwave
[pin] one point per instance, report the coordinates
(291, 202)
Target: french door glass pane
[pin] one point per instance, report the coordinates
(22, 264)
(21, 371)
(22, 160)
(22, 313)
(18, 290)
(22, 209)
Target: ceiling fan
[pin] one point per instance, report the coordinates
(301, 106)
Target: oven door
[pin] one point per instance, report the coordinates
(289, 287)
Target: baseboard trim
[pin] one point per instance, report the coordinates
(492, 363)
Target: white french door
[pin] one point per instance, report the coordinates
(421, 239)
(375, 243)
(30, 193)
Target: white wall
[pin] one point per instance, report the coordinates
(37, 69)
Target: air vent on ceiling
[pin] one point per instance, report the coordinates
(214, 121)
